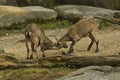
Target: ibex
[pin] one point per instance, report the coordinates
(82, 28)
(37, 37)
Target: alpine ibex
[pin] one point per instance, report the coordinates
(82, 28)
(37, 37)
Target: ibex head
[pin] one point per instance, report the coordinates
(47, 44)
(60, 45)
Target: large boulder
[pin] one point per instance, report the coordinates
(80, 11)
(94, 73)
(3, 1)
(8, 2)
(10, 15)
(45, 3)
(110, 4)
(41, 12)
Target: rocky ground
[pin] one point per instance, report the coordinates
(94, 73)
(109, 44)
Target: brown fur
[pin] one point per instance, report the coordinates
(82, 28)
(37, 37)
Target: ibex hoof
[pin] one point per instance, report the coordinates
(70, 52)
(27, 58)
(64, 53)
(96, 51)
(43, 56)
(31, 56)
(88, 49)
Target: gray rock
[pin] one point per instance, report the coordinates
(80, 11)
(2, 50)
(94, 73)
(41, 12)
(10, 15)
(110, 4)
(3, 1)
(8, 2)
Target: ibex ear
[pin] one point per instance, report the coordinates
(56, 39)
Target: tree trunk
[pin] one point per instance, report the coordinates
(66, 61)
(111, 20)
(77, 62)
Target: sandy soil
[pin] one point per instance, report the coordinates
(109, 44)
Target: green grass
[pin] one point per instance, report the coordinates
(57, 24)
(45, 26)
(103, 24)
(49, 24)
(34, 73)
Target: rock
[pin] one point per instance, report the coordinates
(41, 12)
(94, 73)
(8, 2)
(80, 11)
(110, 4)
(10, 16)
(45, 3)
(2, 1)
(2, 50)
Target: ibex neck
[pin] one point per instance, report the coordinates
(47, 39)
(64, 38)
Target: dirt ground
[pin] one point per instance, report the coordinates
(109, 44)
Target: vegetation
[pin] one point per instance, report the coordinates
(50, 73)
(103, 24)
(57, 24)
(46, 25)
(53, 25)
(38, 73)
